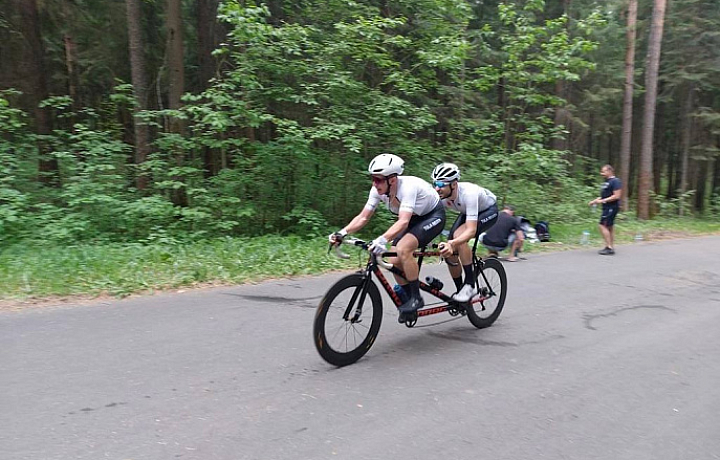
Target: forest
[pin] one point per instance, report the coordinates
(138, 120)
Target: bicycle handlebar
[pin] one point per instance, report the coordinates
(363, 245)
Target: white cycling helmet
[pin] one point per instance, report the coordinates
(386, 164)
(446, 172)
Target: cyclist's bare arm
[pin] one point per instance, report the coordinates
(466, 235)
(359, 221)
(399, 226)
(447, 250)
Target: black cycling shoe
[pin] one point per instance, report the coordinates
(412, 305)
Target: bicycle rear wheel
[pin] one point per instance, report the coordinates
(344, 330)
(492, 284)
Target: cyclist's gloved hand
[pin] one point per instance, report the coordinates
(446, 249)
(337, 237)
(377, 246)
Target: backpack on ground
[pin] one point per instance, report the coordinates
(542, 229)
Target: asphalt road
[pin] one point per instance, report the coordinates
(593, 358)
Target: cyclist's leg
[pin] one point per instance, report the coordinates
(486, 219)
(420, 233)
(453, 262)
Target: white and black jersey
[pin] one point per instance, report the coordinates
(471, 200)
(413, 195)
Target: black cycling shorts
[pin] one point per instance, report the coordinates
(425, 228)
(608, 216)
(486, 219)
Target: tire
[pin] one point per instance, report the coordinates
(341, 342)
(484, 313)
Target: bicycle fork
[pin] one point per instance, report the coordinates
(360, 291)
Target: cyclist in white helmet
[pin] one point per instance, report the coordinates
(421, 217)
(478, 212)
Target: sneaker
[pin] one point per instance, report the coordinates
(414, 304)
(465, 294)
(606, 252)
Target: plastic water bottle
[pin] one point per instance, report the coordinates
(400, 291)
(594, 207)
(638, 237)
(585, 238)
(434, 282)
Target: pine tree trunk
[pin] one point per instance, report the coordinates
(175, 58)
(206, 11)
(175, 54)
(715, 192)
(561, 91)
(71, 65)
(660, 152)
(686, 135)
(627, 123)
(702, 170)
(140, 86)
(651, 80)
(37, 82)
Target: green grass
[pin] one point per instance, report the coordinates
(122, 269)
(627, 227)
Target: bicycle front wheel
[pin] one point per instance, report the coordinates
(492, 284)
(346, 324)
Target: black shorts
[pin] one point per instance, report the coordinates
(486, 219)
(425, 228)
(608, 216)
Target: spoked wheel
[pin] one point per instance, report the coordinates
(344, 328)
(492, 283)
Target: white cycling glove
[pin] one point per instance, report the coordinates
(377, 246)
(337, 237)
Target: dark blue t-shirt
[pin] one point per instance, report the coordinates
(498, 234)
(607, 190)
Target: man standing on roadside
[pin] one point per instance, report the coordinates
(610, 196)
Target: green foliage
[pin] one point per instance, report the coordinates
(307, 96)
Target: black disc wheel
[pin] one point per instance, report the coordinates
(492, 284)
(346, 322)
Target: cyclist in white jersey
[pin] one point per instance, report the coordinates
(421, 217)
(478, 212)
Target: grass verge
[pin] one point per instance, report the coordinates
(31, 273)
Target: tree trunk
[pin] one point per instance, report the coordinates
(651, 80)
(627, 122)
(175, 54)
(660, 151)
(206, 11)
(561, 91)
(175, 58)
(140, 86)
(715, 192)
(686, 135)
(71, 65)
(702, 170)
(37, 82)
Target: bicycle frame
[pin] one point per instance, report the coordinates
(372, 267)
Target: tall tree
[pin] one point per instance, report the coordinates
(651, 81)
(206, 11)
(626, 140)
(175, 54)
(140, 85)
(37, 80)
(686, 137)
(561, 91)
